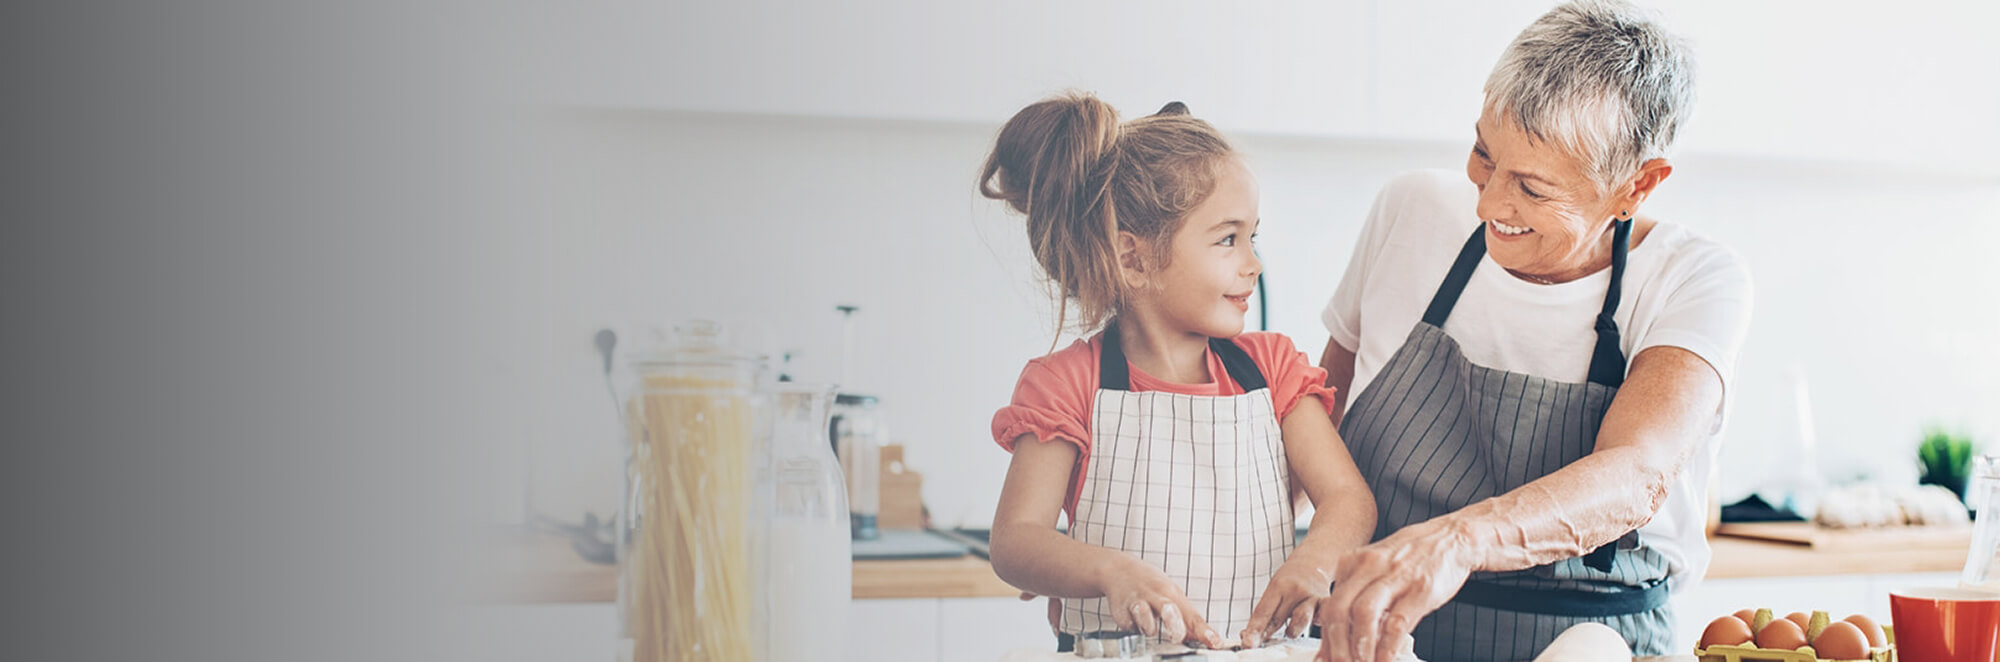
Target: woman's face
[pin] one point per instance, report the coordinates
(1544, 215)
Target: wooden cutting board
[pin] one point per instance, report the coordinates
(1883, 538)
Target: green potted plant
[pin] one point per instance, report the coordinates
(1946, 458)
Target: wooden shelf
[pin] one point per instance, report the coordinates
(963, 577)
(1740, 557)
(543, 569)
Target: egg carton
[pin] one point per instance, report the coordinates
(1746, 653)
(1751, 653)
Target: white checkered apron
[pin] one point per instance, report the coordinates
(1195, 485)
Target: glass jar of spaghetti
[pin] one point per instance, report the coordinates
(734, 524)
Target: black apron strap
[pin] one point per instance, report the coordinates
(1238, 363)
(1562, 602)
(1600, 559)
(1607, 361)
(1114, 374)
(1455, 280)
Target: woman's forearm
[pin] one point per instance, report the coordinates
(1565, 514)
(1655, 424)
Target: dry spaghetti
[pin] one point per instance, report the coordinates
(687, 585)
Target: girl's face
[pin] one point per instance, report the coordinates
(1206, 285)
(1543, 213)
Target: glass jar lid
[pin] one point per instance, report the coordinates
(694, 343)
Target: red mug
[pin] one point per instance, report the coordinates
(1938, 624)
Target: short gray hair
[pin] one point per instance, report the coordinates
(1600, 78)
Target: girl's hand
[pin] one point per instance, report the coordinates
(1292, 597)
(1382, 590)
(1142, 598)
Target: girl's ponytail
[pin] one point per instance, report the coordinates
(1080, 177)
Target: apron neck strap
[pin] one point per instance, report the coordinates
(1607, 361)
(1455, 280)
(1113, 374)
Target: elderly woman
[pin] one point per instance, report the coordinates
(1528, 476)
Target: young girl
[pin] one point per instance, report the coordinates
(1172, 440)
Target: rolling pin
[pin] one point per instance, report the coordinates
(1587, 642)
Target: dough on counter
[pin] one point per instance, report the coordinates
(1295, 650)
(1587, 642)
(1864, 506)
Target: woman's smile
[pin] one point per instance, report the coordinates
(1508, 232)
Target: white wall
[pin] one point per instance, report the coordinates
(1873, 281)
(759, 162)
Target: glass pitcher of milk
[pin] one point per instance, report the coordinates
(1982, 561)
(808, 571)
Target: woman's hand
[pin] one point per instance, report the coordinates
(1380, 591)
(1142, 598)
(1294, 593)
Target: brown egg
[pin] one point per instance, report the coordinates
(1748, 616)
(1725, 631)
(1868, 629)
(1841, 640)
(1781, 633)
(1803, 619)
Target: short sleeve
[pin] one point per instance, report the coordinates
(1052, 401)
(1706, 313)
(1290, 373)
(1343, 312)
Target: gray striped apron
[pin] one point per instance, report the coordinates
(1195, 485)
(1434, 433)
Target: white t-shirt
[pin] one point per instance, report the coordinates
(1681, 289)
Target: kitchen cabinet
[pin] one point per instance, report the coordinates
(1913, 84)
(540, 632)
(945, 629)
(1430, 62)
(1910, 85)
(893, 631)
(986, 628)
(1286, 67)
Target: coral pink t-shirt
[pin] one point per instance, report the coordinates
(1053, 399)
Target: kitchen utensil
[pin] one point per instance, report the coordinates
(909, 544)
(593, 538)
(859, 437)
(607, 341)
(1111, 644)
